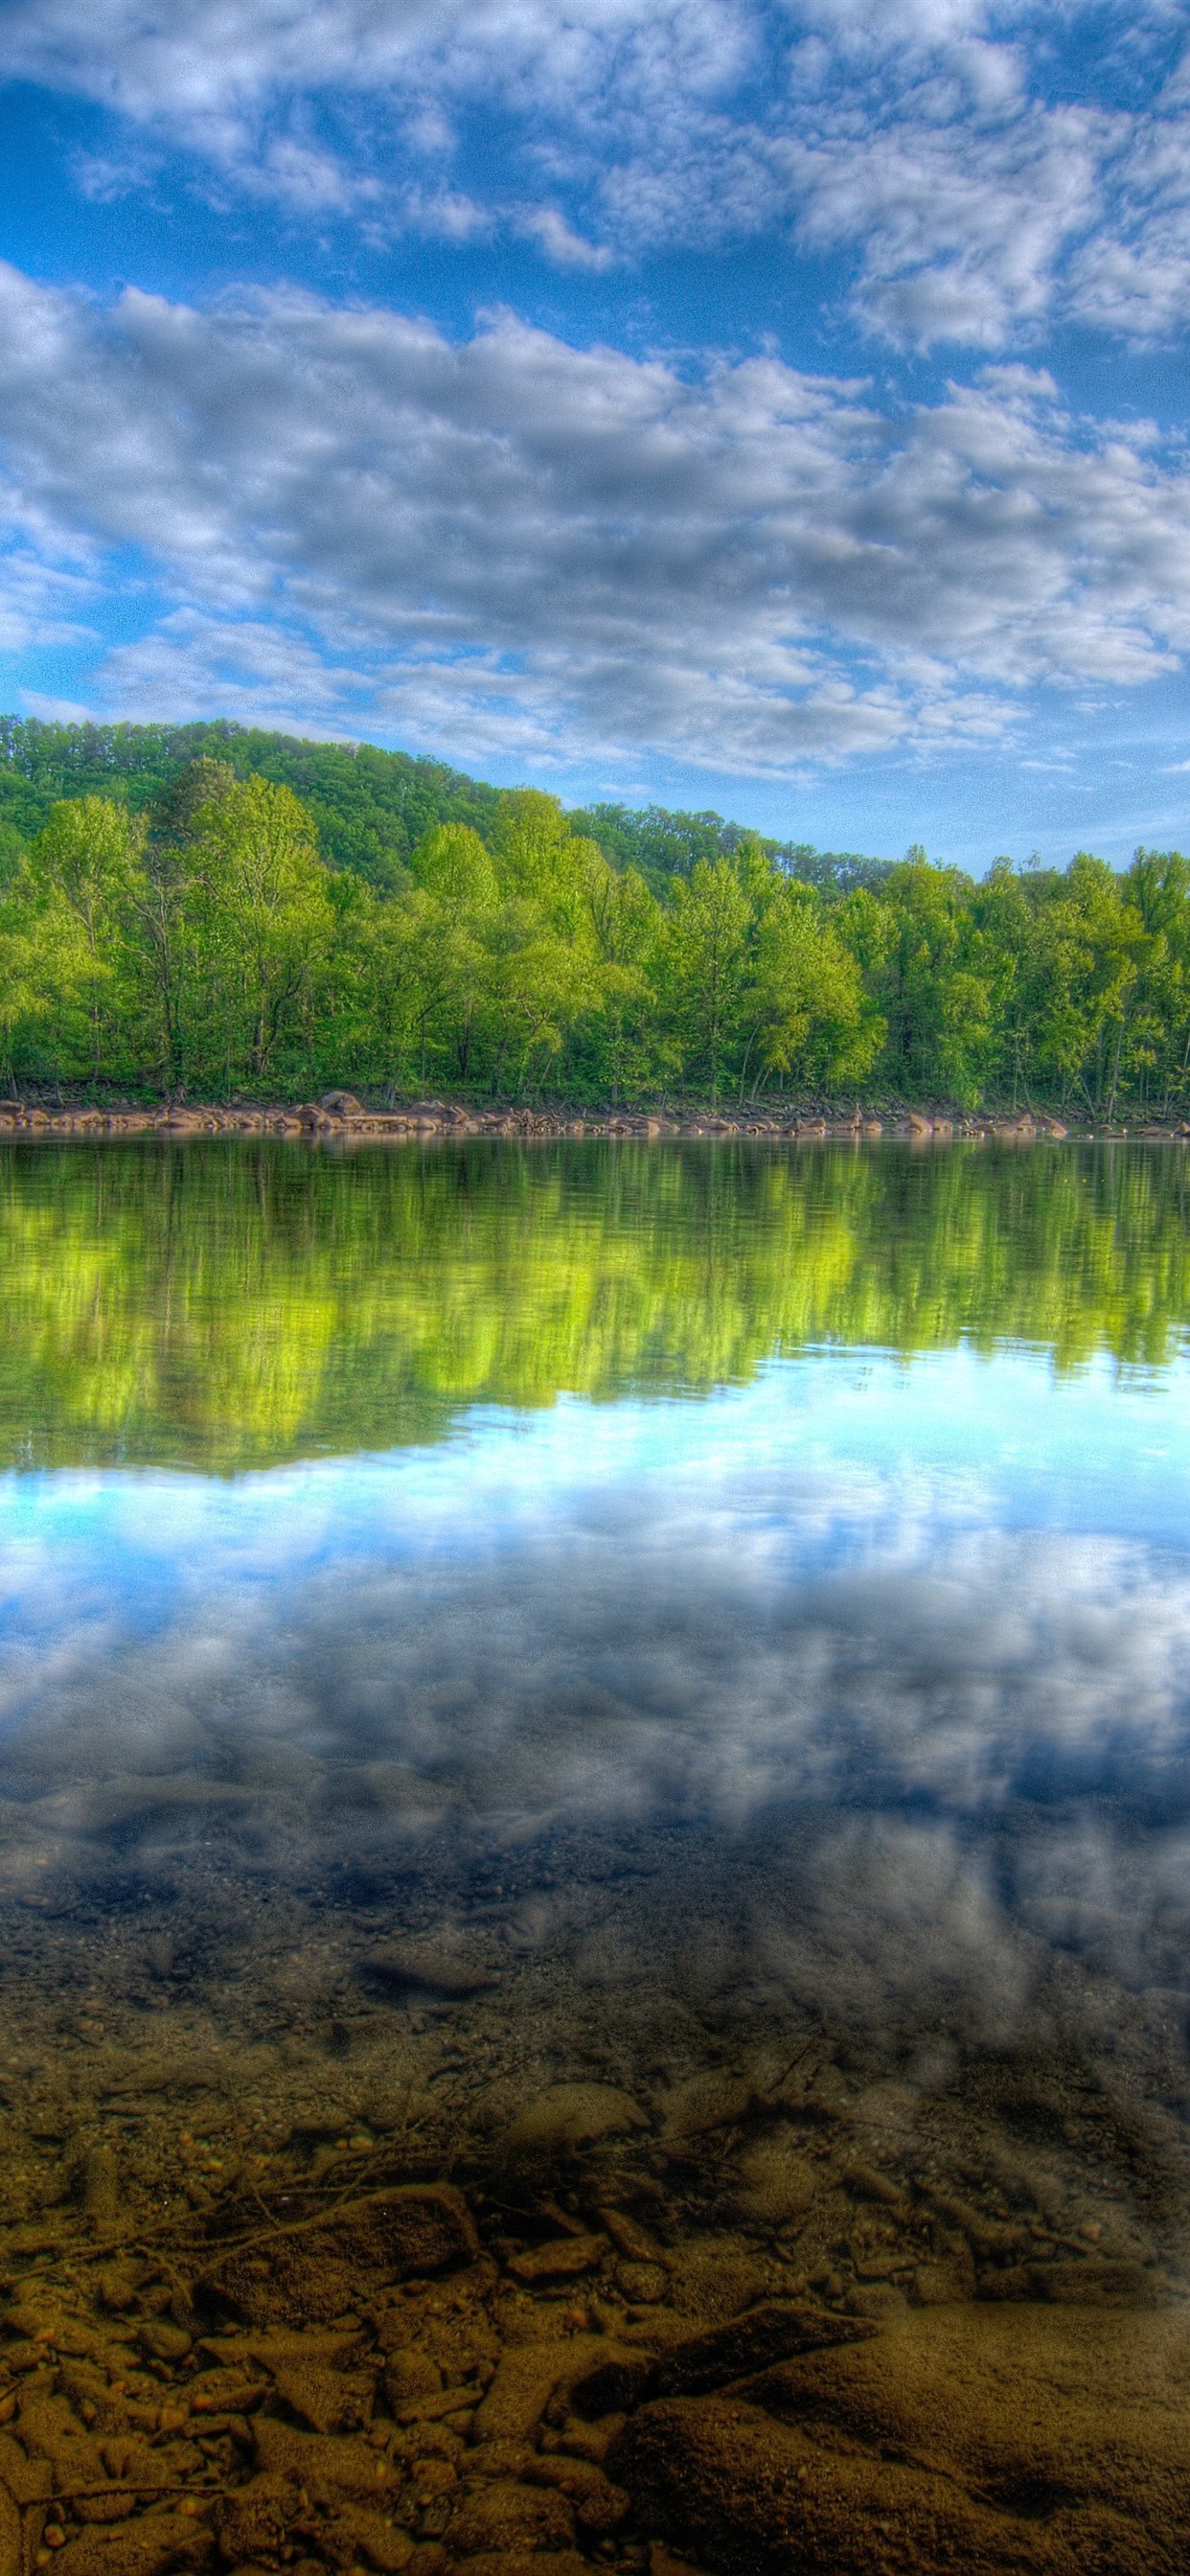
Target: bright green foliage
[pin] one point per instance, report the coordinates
(454, 866)
(204, 942)
(813, 1020)
(707, 966)
(81, 873)
(928, 971)
(261, 922)
(371, 807)
(229, 1306)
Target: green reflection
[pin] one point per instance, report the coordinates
(226, 1307)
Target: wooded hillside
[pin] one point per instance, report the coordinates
(211, 910)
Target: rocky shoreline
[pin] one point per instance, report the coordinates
(340, 1118)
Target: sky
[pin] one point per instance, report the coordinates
(776, 405)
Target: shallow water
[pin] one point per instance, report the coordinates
(706, 1624)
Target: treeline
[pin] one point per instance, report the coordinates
(178, 921)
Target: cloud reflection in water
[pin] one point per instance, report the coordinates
(904, 1746)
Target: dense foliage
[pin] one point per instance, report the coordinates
(229, 1308)
(288, 915)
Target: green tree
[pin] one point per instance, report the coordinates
(707, 966)
(1158, 885)
(620, 1046)
(804, 1005)
(449, 943)
(262, 925)
(927, 970)
(85, 867)
(1092, 941)
(25, 977)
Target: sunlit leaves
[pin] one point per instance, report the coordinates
(208, 946)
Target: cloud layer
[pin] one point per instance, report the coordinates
(980, 171)
(511, 545)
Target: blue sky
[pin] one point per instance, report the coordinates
(773, 406)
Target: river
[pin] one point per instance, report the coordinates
(645, 1686)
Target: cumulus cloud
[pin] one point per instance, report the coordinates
(568, 249)
(960, 245)
(513, 542)
(1132, 275)
(209, 60)
(982, 170)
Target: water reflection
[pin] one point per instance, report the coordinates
(228, 1307)
(924, 1628)
(702, 1634)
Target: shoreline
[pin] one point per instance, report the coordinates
(340, 1118)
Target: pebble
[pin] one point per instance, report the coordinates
(407, 1968)
(573, 2115)
(560, 2259)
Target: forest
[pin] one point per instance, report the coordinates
(206, 911)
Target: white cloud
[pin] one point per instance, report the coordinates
(204, 62)
(979, 181)
(567, 249)
(958, 245)
(314, 182)
(1132, 276)
(512, 543)
(55, 710)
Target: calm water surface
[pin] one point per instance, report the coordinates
(735, 1603)
(482, 1500)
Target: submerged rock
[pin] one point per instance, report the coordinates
(406, 1967)
(722, 2354)
(748, 2343)
(519, 2562)
(573, 2115)
(745, 2494)
(968, 2438)
(325, 2400)
(259, 2518)
(339, 2461)
(1028, 2403)
(525, 2380)
(703, 2103)
(409, 2376)
(158, 2540)
(500, 2515)
(322, 2267)
(98, 2185)
(560, 2259)
(644, 2285)
(778, 2180)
